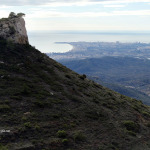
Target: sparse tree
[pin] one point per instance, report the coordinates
(20, 15)
(12, 15)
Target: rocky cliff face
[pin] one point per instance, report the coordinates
(13, 29)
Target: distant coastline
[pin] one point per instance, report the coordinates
(51, 41)
(83, 50)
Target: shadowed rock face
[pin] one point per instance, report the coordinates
(13, 29)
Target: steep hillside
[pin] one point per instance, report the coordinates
(128, 91)
(125, 71)
(44, 105)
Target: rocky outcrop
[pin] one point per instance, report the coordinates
(13, 28)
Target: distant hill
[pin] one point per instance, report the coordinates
(44, 105)
(129, 76)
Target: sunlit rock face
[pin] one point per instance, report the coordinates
(13, 28)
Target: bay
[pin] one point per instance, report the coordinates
(45, 41)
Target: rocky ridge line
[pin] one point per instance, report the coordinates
(13, 28)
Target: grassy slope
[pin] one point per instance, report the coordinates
(130, 92)
(47, 106)
(108, 68)
(123, 71)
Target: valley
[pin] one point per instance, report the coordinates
(123, 67)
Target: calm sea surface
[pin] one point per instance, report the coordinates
(45, 41)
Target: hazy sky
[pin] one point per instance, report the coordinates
(81, 14)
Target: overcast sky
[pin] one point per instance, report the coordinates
(103, 15)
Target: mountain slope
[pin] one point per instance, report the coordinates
(44, 105)
(125, 71)
(128, 91)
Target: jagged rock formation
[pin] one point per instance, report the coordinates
(13, 28)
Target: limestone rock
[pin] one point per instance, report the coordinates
(13, 29)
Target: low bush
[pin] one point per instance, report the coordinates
(65, 141)
(131, 133)
(82, 76)
(3, 147)
(78, 136)
(27, 125)
(131, 126)
(61, 134)
(4, 108)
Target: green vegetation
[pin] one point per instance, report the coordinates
(61, 133)
(132, 133)
(65, 141)
(3, 147)
(47, 106)
(82, 76)
(4, 108)
(13, 15)
(27, 125)
(4, 19)
(79, 136)
(126, 75)
(20, 14)
(131, 126)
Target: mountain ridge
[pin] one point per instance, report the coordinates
(45, 105)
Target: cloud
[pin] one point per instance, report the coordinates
(114, 6)
(133, 13)
(52, 3)
(3, 13)
(64, 14)
(123, 1)
(51, 14)
(119, 1)
(64, 2)
(36, 2)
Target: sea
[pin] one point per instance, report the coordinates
(48, 41)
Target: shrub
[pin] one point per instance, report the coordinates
(148, 124)
(61, 133)
(4, 108)
(131, 133)
(146, 114)
(65, 141)
(131, 126)
(78, 136)
(42, 103)
(39, 103)
(26, 90)
(16, 97)
(55, 101)
(20, 14)
(37, 127)
(24, 118)
(82, 76)
(3, 147)
(95, 115)
(27, 125)
(68, 76)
